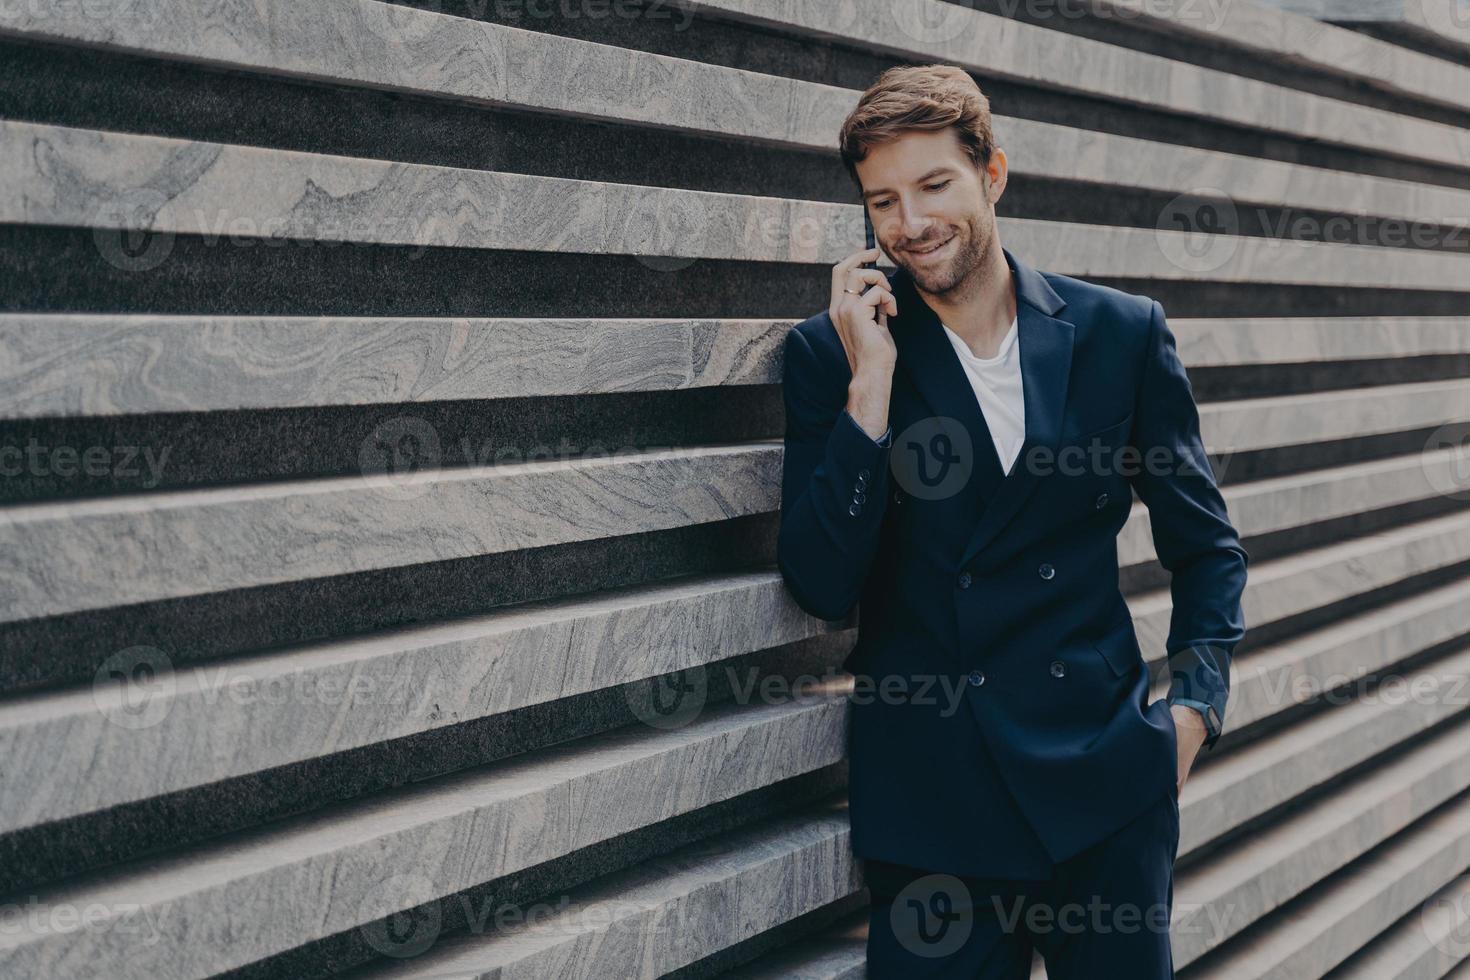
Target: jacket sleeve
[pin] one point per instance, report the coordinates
(1191, 529)
(834, 487)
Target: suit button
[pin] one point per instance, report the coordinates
(1046, 571)
(964, 580)
(1058, 669)
(859, 497)
(977, 677)
(855, 509)
(898, 496)
(863, 474)
(1101, 501)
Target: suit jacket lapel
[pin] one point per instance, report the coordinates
(1046, 343)
(926, 355)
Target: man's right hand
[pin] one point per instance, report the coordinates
(861, 319)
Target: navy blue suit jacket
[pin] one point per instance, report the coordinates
(1000, 719)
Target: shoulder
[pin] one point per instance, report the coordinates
(1094, 301)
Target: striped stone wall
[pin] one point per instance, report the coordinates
(390, 451)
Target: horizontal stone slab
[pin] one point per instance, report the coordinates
(1417, 947)
(228, 904)
(1248, 879)
(1441, 22)
(1278, 589)
(60, 558)
(1248, 341)
(359, 42)
(1292, 420)
(107, 181)
(1300, 499)
(79, 751)
(664, 914)
(105, 365)
(57, 558)
(1268, 31)
(994, 46)
(1350, 728)
(1417, 853)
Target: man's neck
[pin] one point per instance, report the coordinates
(981, 315)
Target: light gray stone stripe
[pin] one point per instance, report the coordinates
(1284, 587)
(932, 30)
(369, 43)
(57, 558)
(283, 886)
(104, 365)
(838, 952)
(1290, 420)
(1242, 341)
(1420, 947)
(378, 45)
(664, 914)
(115, 182)
(1337, 916)
(1254, 876)
(1441, 21)
(1263, 29)
(211, 721)
(79, 751)
(72, 174)
(1276, 504)
(68, 557)
(1269, 682)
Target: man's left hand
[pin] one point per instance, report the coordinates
(1192, 732)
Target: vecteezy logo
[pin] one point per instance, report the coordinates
(1198, 231)
(671, 700)
(933, 915)
(404, 453)
(414, 917)
(124, 234)
(932, 459)
(134, 688)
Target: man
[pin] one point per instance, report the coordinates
(961, 443)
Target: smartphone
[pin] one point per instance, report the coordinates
(872, 239)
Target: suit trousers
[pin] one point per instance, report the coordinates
(1104, 912)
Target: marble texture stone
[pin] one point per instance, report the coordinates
(1241, 341)
(1290, 762)
(1414, 860)
(237, 901)
(1261, 507)
(998, 47)
(90, 366)
(1261, 27)
(102, 181)
(221, 720)
(1257, 874)
(664, 914)
(118, 182)
(1418, 947)
(364, 42)
(1441, 21)
(1279, 589)
(69, 557)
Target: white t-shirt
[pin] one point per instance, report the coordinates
(997, 384)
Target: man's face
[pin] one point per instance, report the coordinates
(933, 212)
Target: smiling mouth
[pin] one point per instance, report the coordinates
(931, 250)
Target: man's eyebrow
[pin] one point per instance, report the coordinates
(926, 177)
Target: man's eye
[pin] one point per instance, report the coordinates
(938, 187)
(882, 206)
